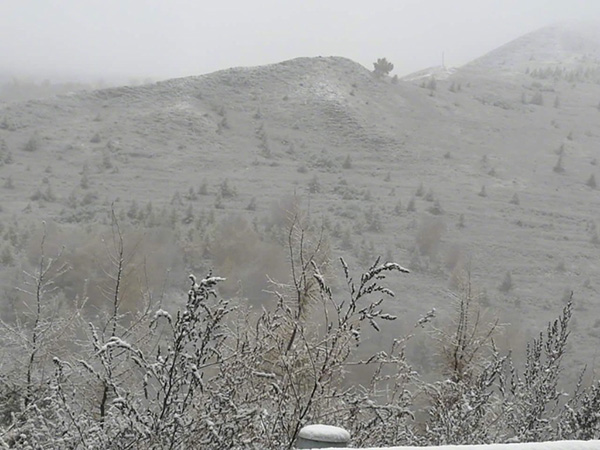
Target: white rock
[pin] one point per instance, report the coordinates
(324, 433)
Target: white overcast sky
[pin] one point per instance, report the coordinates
(172, 38)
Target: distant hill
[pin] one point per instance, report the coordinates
(480, 172)
(569, 45)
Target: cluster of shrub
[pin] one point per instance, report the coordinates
(214, 375)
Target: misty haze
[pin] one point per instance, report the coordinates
(220, 224)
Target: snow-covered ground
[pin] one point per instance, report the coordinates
(557, 445)
(322, 434)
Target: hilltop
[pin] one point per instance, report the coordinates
(479, 171)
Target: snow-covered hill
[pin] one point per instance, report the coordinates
(568, 44)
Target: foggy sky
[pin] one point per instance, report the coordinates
(172, 38)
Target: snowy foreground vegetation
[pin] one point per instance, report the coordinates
(215, 375)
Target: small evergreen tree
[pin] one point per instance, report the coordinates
(558, 167)
(507, 283)
(382, 67)
(537, 99)
(591, 182)
(347, 163)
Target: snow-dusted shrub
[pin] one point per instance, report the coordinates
(463, 408)
(464, 411)
(533, 400)
(500, 403)
(581, 417)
